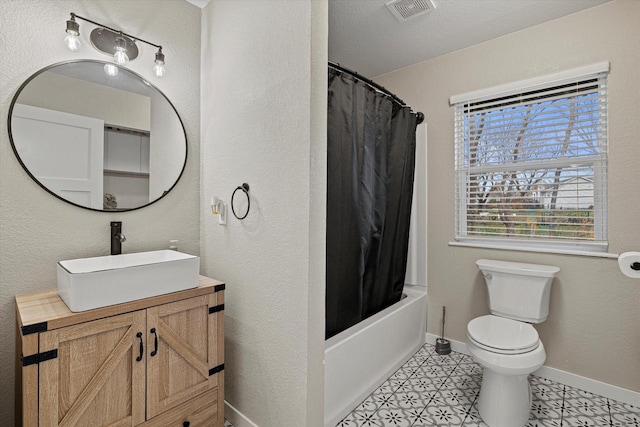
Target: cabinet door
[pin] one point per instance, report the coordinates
(178, 366)
(97, 378)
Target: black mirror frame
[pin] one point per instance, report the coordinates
(15, 151)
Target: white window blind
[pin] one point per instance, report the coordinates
(532, 165)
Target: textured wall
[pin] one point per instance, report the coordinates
(592, 329)
(36, 229)
(263, 123)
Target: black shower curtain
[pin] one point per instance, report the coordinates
(370, 170)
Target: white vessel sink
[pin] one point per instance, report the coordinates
(88, 283)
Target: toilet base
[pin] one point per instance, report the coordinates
(504, 400)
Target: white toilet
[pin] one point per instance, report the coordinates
(504, 343)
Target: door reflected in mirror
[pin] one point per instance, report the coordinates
(107, 143)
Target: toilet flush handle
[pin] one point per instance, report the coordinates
(487, 276)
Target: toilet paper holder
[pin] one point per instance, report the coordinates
(629, 263)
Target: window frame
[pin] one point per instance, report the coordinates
(596, 247)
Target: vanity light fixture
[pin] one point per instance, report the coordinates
(120, 45)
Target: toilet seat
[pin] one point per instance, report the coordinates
(502, 336)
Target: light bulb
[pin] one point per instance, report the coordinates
(72, 41)
(111, 70)
(120, 56)
(159, 70)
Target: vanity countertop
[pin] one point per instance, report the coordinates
(45, 309)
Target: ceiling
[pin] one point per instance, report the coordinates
(365, 37)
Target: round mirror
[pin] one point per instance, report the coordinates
(97, 138)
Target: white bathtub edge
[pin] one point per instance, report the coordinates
(341, 401)
(573, 380)
(381, 378)
(412, 293)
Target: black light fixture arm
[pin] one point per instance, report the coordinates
(73, 16)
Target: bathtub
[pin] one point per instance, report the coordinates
(360, 359)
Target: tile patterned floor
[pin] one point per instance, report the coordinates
(433, 390)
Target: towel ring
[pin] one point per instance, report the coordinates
(245, 189)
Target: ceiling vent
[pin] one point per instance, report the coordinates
(404, 10)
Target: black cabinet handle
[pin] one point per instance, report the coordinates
(139, 358)
(186, 424)
(155, 342)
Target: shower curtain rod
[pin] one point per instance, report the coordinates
(419, 115)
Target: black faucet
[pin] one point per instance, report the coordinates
(117, 237)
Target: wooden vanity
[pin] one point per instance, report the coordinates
(152, 362)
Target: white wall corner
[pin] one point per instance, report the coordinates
(235, 417)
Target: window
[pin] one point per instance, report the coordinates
(531, 162)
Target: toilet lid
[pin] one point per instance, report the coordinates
(502, 335)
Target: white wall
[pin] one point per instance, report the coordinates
(36, 229)
(264, 123)
(592, 329)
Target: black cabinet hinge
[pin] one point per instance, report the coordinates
(216, 308)
(32, 329)
(39, 357)
(218, 288)
(217, 369)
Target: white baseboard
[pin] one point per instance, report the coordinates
(594, 386)
(235, 417)
(458, 346)
(583, 383)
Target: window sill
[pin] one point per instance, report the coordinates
(524, 248)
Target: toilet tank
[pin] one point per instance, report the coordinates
(517, 290)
